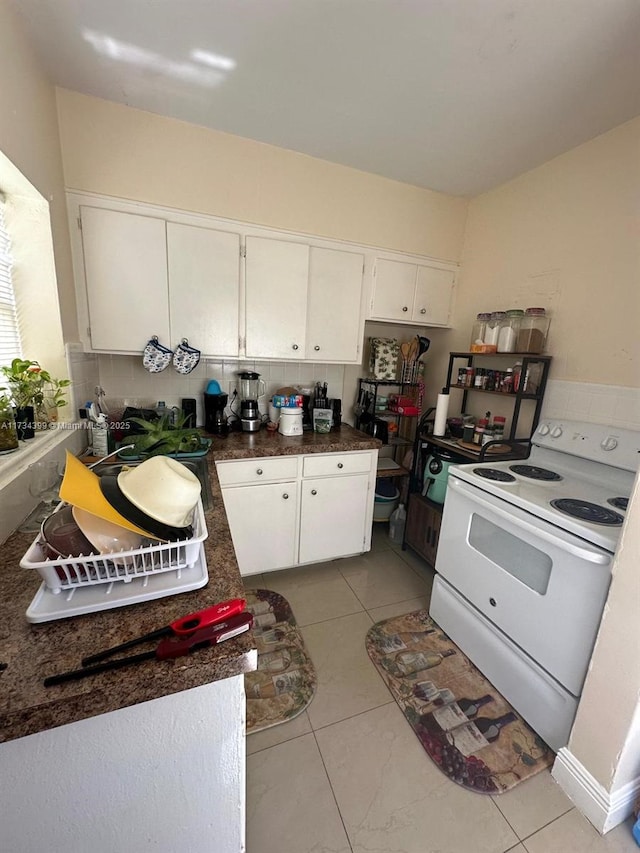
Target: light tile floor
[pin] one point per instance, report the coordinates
(348, 775)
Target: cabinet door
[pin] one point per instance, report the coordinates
(332, 517)
(434, 287)
(334, 305)
(394, 289)
(423, 528)
(263, 524)
(277, 273)
(204, 288)
(125, 264)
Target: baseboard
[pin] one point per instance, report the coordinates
(602, 808)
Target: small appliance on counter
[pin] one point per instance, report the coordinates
(290, 422)
(251, 389)
(214, 410)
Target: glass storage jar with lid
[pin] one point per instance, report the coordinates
(479, 332)
(493, 328)
(534, 327)
(509, 329)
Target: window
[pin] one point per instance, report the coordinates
(9, 333)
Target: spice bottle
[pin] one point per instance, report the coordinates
(498, 428)
(534, 327)
(507, 382)
(517, 375)
(509, 330)
(479, 431)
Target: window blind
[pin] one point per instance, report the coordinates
(10, 347)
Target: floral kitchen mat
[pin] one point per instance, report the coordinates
(285, 681)
(465, 726)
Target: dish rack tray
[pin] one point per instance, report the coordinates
(66, 573)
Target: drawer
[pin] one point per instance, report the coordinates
(264, 470)
(334, 464)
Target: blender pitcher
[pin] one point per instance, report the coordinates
(251, 389)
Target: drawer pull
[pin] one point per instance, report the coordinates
(340, 465)
(285, 496)
(259, 471)
(317, 348)
(405, 308)
(423, 310)
(295, 346)
(313, 492)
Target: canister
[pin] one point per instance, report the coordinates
(534, 327)
(509, 330)
(290, 422)
(493, 327)
(479, 332)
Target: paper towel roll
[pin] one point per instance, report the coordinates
(442, 407)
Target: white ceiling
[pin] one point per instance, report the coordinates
(453, 95)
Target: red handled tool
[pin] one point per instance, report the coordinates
(183, 627)
(171, 647)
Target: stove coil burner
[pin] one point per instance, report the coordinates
(494, 474)
(534, 473)
(586, 511)
(619, 503)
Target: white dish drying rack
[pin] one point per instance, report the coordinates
(75, 585)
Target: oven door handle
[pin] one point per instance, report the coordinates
(583, 552)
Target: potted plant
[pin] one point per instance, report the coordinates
(8, 431)
(34, 392)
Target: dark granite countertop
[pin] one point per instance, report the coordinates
(32, 652)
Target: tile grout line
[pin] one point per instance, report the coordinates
(545, 825)
(333, 793)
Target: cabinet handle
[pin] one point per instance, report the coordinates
(259, 471)
(295, 346)
(285, 496)
(313, 492)
(340, 465)
(317, 348)
(423, 310)
(405, 308)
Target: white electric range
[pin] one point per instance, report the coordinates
(524, 563)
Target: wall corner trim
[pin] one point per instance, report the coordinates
(604, 809)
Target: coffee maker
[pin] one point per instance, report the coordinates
(251, 389)
(214, 405)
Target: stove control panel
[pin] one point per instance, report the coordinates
(597, 442)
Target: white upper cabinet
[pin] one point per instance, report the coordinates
(125, 269)
(204, 288)
(277, 273)
(412, 292)
(333, 305)
(303, 301)
(236, 290)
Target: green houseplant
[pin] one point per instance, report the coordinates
(36, 395)
(8, 431)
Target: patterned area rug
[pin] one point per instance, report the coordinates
(469, 730)
(285, 681)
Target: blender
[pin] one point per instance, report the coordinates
(251, 389)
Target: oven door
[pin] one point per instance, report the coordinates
(543, 587)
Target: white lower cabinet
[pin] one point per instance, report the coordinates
(294, 510)
(332, 511)
(263, 520)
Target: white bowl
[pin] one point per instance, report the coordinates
(106, 537)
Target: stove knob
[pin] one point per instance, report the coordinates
(609, 443)
(556, 432)
(543, 429)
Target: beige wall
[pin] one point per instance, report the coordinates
(563, 236)
(29, 138)
(119, 151)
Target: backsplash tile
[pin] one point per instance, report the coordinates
(616, 405)
(126, 382)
